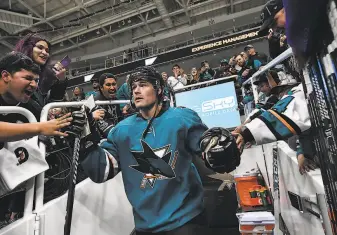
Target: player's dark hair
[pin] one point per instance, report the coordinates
(16, 61)
(151, 75)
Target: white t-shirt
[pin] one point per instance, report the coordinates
(177, 83)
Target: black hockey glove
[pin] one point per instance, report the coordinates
(77, 126)
(105, 125)
(219, 149)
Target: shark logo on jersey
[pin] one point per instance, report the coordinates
(155, 164)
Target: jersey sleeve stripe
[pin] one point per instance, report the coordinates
(291, 123)
(270, 127)
(283, 121)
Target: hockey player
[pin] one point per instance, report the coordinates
(154, 150)
(18, 81)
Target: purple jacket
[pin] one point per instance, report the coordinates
(306, 25)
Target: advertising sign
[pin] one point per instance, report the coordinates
(216, 105)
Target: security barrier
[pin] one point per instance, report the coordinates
(22, 225)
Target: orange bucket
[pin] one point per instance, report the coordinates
(257, 223)
(245, 183)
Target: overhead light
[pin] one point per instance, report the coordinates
(150, 61)
(98, 32)
(87, 78)
(61, 44)
(123, 22)
(129, 21)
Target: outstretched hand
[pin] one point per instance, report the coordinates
(52, 127)
(237, 129)
(240, 142)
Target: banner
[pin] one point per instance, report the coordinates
(216, 105)
(228, 40)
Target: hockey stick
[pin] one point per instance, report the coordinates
(72, 184)
(321, 108)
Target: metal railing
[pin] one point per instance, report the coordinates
(29, 198)
(114, 61)
(279, 59)
(204, 83)
(44, 116)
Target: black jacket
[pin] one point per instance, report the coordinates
(113, 115)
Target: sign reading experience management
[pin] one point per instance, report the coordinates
(227, 41)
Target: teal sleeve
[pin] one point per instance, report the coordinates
(299, 150)
(195, 129)
(278, 128)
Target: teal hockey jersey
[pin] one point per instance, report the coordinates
(160, 180)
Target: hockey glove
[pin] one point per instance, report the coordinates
(77, 126)
(220, 150)
(104, 125)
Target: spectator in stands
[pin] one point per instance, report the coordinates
(255, 58)
(78, 94)
(224, 70)
(123, 93)
(193, 77)
(248, 99)
(265, 82)
(206, 72)
(164, 76)
(95, 87)
(244, 55)
(243, 73)
(179, 78)
(166, 87)
(107, 116)
(52, 77)
(277, 42)
(286, 118)
(248, 67)
(18, 81)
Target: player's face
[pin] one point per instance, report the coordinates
(109, 88)
(144, 94)
(40, 53)
(22, 86)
